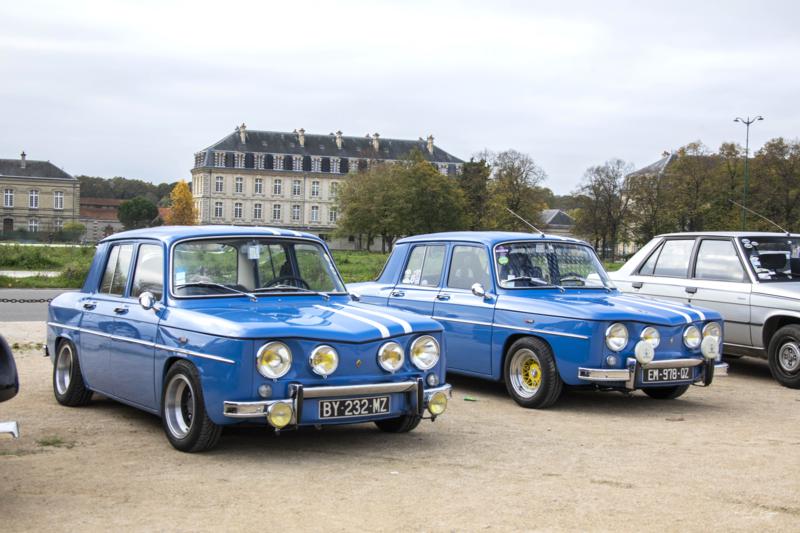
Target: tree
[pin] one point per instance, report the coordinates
(183, 211)
(515, 184)
(776, 187)
(137, 213)
(474, 183)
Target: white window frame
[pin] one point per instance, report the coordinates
(33, 225)
(297, 188)
(238, 210)
(315, 188)
(315, 213)
(219, 184)
(276, 212)
(333, 215)
(8, 198)
(277, 187)
(58, 200)
(219, 210)
(296, 212)
(238, 185)
(257, 211)
(33, 199)
(258, 188)
(333, 189)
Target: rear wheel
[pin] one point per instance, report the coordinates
(784, 356)
(68, 385)
(401, 424)
(665, 393)
(531, 375)
(183, 413)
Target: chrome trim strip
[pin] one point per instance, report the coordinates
(406, 325)
(737, 345)
(461, 321)
(380, 327)
(11, 428)
(721, 369)
(506, 326)
(352, 390)
(603, 374)
(174, 349)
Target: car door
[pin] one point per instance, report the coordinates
(132, 360)
(419, 282)
(466, 317)
(98, 324)
(720, 282)
(665, 273)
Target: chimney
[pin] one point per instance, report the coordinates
(22, 159)
(339, 139)
(242, 133)
(376, 143)
(301, 136)
(430, 144)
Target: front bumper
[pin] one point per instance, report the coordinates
(417, 394)
(9, 427)
(633, 368)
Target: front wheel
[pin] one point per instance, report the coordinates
(666, 393)
(784, 356)
(401, 424)
(183, 411)
(531, 375)
(68, 385)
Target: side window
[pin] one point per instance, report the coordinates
(425, 266)
(674, 258)
(149, 274)
(468, 266)
(718, 260)
(115, 278)
(650, 265)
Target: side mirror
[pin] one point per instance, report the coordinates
(355, 296)
(478, 290)
(147, 300)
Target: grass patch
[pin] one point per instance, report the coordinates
(18, 257)
(54, 441)
(19, 452)
(359, 266)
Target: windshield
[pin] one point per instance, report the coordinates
(268, 265)
(548, 264)
(773, 258)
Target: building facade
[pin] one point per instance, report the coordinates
(38, 197)
(100, 216)
(291, 180)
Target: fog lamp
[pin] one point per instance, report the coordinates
(710, 347)
(437, 403)
(644, 352)
(279, 415)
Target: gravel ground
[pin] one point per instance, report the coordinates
(723, 458)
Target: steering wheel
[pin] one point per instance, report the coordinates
(281, 279)
(573, 276)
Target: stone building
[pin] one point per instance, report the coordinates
(557, 222)
(100, 216)
(290, 180)
(38, 197)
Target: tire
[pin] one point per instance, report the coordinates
(666, 393)
(784, 356)
(531, 375)
(68, 385)
(401, 424)
(183, 413)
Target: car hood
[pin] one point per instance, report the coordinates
(606, 307)
(781, 289)
(330, 321)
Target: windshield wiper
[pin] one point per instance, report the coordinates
(540, 282)
(292, 288)
(251, 296)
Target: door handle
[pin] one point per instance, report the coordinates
(637, 284)
(398, 294)
(443, 297)
(89, 305)
(120, 310)
(691, 290)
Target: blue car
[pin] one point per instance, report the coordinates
(539, 312)
(211, 326)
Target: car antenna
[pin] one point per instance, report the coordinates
(762, 216)
(526, 222)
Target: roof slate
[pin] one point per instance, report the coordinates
(654, 169)
(33, 169)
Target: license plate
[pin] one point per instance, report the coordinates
(350, 407)
(666, 375)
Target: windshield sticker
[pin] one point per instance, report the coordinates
(503, 260)
(748, 245)
(501, 250)
(253, 252)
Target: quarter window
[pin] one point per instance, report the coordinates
(717, 260)
(149, 274)
(674, 258)
(115, 278)
(425, 266)
(468, 266)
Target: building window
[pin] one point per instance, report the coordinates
(259, 161)
(33, 225)
(334, 190)
(443, 168)
(58, 200)
(276, 211)
(278, 162)
(238, 186)
(259, 186)
(257, 211)
(314, 213)
(219, 159)
(277, 187)
(296, 188)
(332, 215)
(295, 213)
(335, 165)
(217, 209)
(59, 224)
(316, 164)
(219, 184)
(8, 198)
(33, 199)
(237, 210)
(198, 159)
(326, 164)
(315, 188)
(353, 166)
(239, 160)
(298, 163)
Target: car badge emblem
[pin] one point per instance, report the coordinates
(358, 363)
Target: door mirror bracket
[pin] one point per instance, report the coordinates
(478, 290)
(147, 300)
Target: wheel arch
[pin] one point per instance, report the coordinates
(509, 342)
(773, 324)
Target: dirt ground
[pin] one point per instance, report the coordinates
(723, 458)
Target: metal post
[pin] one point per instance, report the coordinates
(746, 164)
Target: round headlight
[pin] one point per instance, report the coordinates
(274, 360)
(651, 336)
(616, 337)
(391, 357)
(692, 337)
(279, 414)
(324, 360)
(425, 352)
(437, 403)
(712, 329)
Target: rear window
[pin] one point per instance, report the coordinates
(424, 266)
(115, 277)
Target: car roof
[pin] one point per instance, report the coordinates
(728, 234)
(170, 234)
(489, 238)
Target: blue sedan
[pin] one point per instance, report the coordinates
(211, 326)
(539, 312)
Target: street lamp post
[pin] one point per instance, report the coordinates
(746, 162)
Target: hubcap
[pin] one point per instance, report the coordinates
(179, 406)
(63, 369)
(789, 357)
(526, 373)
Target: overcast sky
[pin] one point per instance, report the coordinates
(133, 89)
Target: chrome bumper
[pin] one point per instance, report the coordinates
(299, 394)
(628, 374)
(9, 427)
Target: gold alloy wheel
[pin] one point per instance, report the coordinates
(526, 373)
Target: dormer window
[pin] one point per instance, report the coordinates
(219, 159)
(278, 162)
(335, 165)
(199, 157)
(238, 160)
(298, 163)
(443, 168)
(259, 161)
(316, 164)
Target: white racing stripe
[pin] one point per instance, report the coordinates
(380, 327)
(406, 326)
(686, 308)
(654, 305)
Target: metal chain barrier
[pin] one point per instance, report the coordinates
(25, 300)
